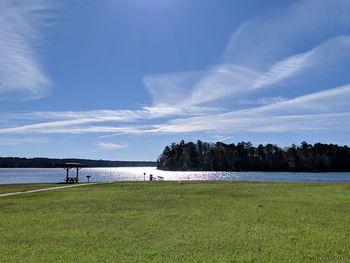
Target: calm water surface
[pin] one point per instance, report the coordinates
(53, 175)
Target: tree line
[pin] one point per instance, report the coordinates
(243, 156)
(16, 162)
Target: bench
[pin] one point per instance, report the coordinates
(72, 180)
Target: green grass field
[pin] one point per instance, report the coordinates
(179, 222)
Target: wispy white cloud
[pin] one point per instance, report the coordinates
(58, 127)
(281, 70)
(170, 89)
(316, 61)
(21, 74)
(224, 80)
(259, 124)
(327, 109)
(296, 29)
(17, 141)
(75, 122)
(110, 146)
(270, 100)
(326, 101)
(235, 78)
(230, 80)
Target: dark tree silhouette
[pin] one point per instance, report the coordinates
(243, 156)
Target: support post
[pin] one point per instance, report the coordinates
(77, 177)
(67, 169)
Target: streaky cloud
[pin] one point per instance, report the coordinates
(110, 146)
(326, 101)
(328, 109)
(263, 41)
(170, 89)
(26, 140)
(264, 53)
(21, 73)
(222, 81)
(281, 70)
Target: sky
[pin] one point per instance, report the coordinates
(121, 79)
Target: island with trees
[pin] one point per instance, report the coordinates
(243, 156)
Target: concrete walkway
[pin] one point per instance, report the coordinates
(45, 189)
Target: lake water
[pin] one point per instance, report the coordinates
(56, 175)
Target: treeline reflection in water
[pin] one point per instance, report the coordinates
(56, 175)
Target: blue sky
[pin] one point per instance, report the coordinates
(121, 80)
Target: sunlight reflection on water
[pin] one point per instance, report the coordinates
(54, 175)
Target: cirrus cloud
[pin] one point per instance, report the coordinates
(21, 73)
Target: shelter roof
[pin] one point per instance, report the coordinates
(71, 165)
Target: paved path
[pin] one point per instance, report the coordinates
(44, 189)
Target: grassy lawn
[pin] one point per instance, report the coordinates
(9, 188)
(179, 222)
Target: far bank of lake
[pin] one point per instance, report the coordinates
(56, 175)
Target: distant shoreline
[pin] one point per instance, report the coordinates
(39, 162)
